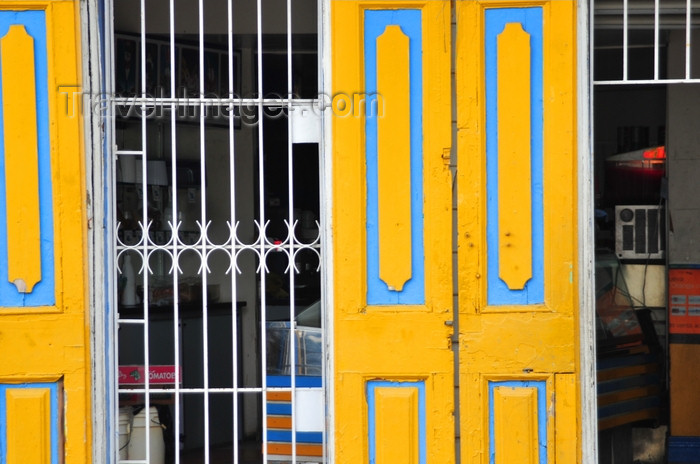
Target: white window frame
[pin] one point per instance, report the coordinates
(586, 242)
(96, 61)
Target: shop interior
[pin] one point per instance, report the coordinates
(218, 242)
(646, 166)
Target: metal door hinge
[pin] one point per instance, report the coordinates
(446, 156)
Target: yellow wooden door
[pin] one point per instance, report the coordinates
(517, 271)
(517, 244)
(393, 390)
(44, 365)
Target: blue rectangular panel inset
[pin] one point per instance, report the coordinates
(54, 419)
(372, 385)
(43, 293)
(300, 381)
(279, 409)
(541, 387)
(531, 21)
(285, 436)
(375, 22)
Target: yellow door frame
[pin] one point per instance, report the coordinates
(45, 374)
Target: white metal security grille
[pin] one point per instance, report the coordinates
(218, 203)
(645, 41)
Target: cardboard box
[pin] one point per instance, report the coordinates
(684, 389)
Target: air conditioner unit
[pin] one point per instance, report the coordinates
(640, 232)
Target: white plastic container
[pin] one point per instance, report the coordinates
(126, 418)
(137, 443)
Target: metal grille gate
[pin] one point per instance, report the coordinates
(218, 216)
(650, 41)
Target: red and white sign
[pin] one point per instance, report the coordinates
(158, 375)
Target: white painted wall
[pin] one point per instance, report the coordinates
(683, 157)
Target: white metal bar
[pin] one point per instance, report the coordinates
(204, 238)
(174, 228)
(151, 247)
(210, 101)
(195, 390)
(656, 39)
(616, 47)
(201, 52)
(144, 218)
(635, 23)
(129, 152)
(687, 38)
(232, 238)
(625, 40)
(292, 235)
(605, 8)
(131, 321)
(142, 34)
(263, 236)
(648, 82)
